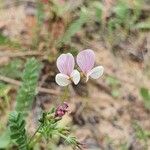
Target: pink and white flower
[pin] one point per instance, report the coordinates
(65, 64)
(86, 61)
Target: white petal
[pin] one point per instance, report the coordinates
(96, 72)
(75, 75)
(62, 79)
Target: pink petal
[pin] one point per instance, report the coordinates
(86, 60)
(65, 63)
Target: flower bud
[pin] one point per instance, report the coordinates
(61, 110)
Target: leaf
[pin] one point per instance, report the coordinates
(112, 81)
(4, 89)
(141, 133)
(12, 69)
(17, 130)
(98, 7)
(145, 93)
(121, 10)
(4, 140)
(27, 91)
(115, 93)
(60, 9)
(40, 12)
(146, 97)
(6, 41)
(74, 27)
(143, 25)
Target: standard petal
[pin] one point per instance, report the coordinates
(65, 63)
(96, 72)
(86, 60)
(62, 79)
(75, 75)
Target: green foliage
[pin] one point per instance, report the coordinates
(6, 41)
(12, 69)
(4, 140)
(73, 51)
(71, 140)
(4, 90)
(97, 7)
(51, 129)
(114, 84)
(40, 12)
(112, 81)
(145, 25)
(123, 146)
(40, 20)
(134, 15)
(29, 83)
(60, 10)
(141, 134)
(75, 26)
(145, 93)
(17, 128)
(123, 12)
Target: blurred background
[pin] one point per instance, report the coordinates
(112, 113)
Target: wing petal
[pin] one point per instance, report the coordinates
(96, 72)
(75, 75)
(62, 79)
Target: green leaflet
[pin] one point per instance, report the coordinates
(27, 91)
(4, 139)
(24, 100)
(145, 94)
(17, 128)
(74, 27)
(13, 69)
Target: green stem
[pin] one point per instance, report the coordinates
(63, 136)
(65, 94)
(7, 101)
(32, 137)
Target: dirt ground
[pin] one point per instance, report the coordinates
(101, 119)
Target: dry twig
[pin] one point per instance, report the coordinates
(18, 83)
(20, 54)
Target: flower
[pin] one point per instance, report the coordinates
(65, 64)
(61, 110)
(86, 61)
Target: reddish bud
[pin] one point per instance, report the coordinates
(61, 110)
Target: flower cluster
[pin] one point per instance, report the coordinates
(61, 110)
(85, 60)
